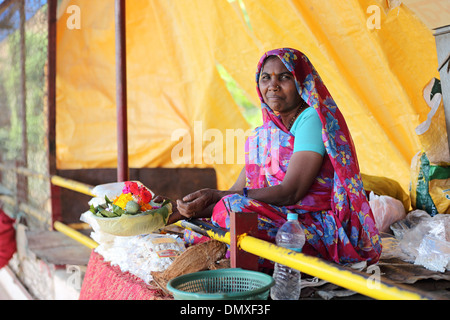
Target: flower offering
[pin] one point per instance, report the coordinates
(134, 199)
(126, 209)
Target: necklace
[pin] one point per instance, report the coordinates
(289, 126)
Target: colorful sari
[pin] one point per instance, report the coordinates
(335, 214)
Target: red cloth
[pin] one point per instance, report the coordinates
(7, 238)
(103, 281)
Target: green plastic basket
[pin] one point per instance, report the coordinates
(222, 284)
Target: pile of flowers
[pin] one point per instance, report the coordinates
(134, 199)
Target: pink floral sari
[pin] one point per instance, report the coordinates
(335, 214)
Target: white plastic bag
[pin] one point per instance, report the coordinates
(412, 219)
(434, 250)
(386, 210)
(143, 254)
(424, 240)
(434, 254)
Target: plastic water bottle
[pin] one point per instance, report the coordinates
(287, 280)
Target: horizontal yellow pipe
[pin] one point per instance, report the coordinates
(225, 237)
(326, 271)
(72, 185)
(68, 231)
(307, 264)
(352, 280)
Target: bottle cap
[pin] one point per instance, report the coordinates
(292, 216)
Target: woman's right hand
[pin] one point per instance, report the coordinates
(192, 205)
(175, 215)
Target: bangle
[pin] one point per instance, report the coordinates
(245, 192)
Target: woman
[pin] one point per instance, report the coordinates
(302, 159)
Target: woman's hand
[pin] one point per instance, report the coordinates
(196, 204)
(161, 199)
(175, 216)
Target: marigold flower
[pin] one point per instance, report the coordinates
(123, 199)
(146, 206)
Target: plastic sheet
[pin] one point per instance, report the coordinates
(172, 50)
(141, 255)
(434, 254)
(412, 219)
(423, 240)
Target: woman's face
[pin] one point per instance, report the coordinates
(277, 86)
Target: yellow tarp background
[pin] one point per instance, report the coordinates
(376, 76)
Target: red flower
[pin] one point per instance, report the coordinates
(130, 187)
(134, 188)
(145, 195)
(142, 193)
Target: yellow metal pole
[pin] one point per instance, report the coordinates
(365, 284)
(369, 286)
(72, 185)
(68, 231)
(205, 229)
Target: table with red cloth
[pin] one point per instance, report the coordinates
(104, 281)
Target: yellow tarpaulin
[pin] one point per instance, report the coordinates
(374, 62)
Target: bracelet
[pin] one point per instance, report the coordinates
(245, 192)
